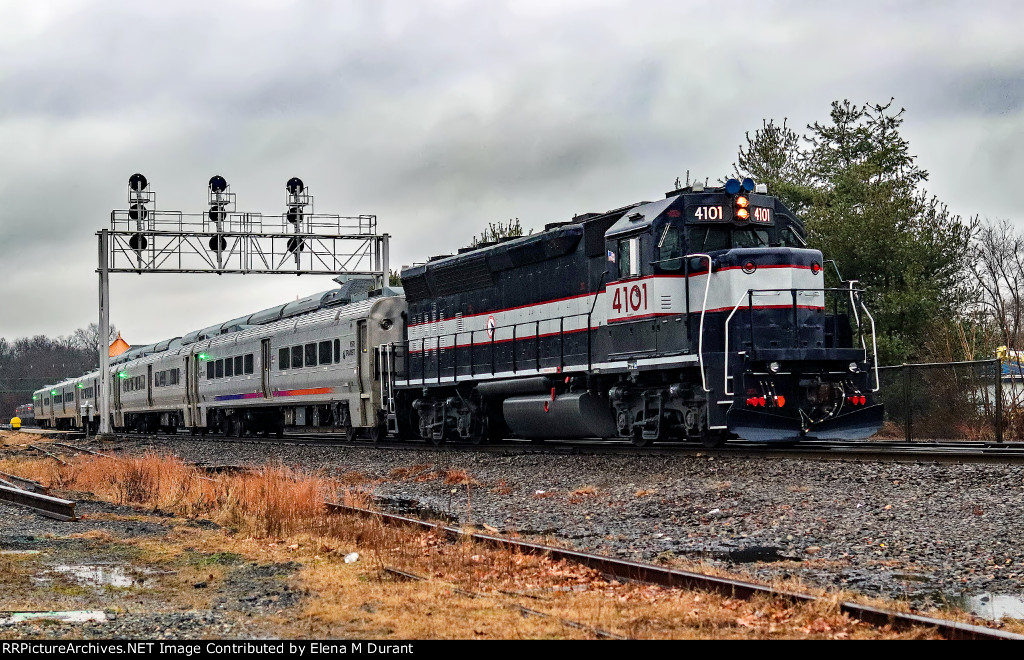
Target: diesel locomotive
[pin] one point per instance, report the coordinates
(700, 316)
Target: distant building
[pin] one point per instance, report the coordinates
(119, 346)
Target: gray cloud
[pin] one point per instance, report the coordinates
(442, 116)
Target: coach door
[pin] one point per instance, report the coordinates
(265, 368)
(116, 383)
(149, 385)
(192, 390)
(78, 405)
(365, 373)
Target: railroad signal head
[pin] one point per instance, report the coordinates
(296, 244)
(138, 182)
(218, 184)
(138, 242)
(295, 185)
(294, 214)
(138, 212)
(218, 243)
(218, 213)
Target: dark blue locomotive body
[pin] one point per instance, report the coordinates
(697, 316)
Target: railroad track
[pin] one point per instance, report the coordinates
(671, 577)
(924, 451)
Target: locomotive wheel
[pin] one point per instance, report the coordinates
(378, 433)
(712, 439)
(638, 438)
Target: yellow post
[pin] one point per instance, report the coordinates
(16, 423)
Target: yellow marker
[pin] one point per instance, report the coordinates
(16, 423)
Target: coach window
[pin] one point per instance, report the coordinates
(310, 355)
(296, 357)
(229, 367)
(337, 351)
(325, 352)
(210, 370)
(248, 363)
(220, 368)
(238, 365)
(283, 361)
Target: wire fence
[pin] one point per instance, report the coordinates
(952, 401)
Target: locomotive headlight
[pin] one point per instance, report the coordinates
(774, 367)
(742, 202)
(743, 214)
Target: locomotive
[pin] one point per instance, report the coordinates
(700, 316)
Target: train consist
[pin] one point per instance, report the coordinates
(700, 316)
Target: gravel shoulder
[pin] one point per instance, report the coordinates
(932, 534)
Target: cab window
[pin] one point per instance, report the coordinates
(708, 238)
(629, 257)
(670, 248)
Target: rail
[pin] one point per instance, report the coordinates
(675, 578)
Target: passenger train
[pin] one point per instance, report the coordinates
(700, 316)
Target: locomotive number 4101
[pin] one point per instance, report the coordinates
(630, 298)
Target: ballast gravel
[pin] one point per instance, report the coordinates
(933, 534)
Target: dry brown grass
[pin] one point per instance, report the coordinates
(270, 501)
(458, 477)
(643, 492)
(502, 488)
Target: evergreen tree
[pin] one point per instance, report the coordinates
(859, 189)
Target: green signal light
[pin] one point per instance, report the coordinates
(53, 391)
(80, 386)
(204, 356)
(122, 374)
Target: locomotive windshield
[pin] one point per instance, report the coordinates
(710, 238)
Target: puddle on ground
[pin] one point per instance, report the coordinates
(80, 616)
(405, 506)
(995, 606)
(101, 575)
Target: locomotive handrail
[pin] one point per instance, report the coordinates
(439, 346)
(874, 337)
(703, 312)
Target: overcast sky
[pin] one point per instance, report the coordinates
(440, 116)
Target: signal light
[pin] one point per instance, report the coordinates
(294, 214)
(218, 213)
(138, 212)
(218, 184)
(138, 182)
(218, 243)
(815, 268)
(296, 244)
(780, 401)
(138, 242)
(295, 185)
